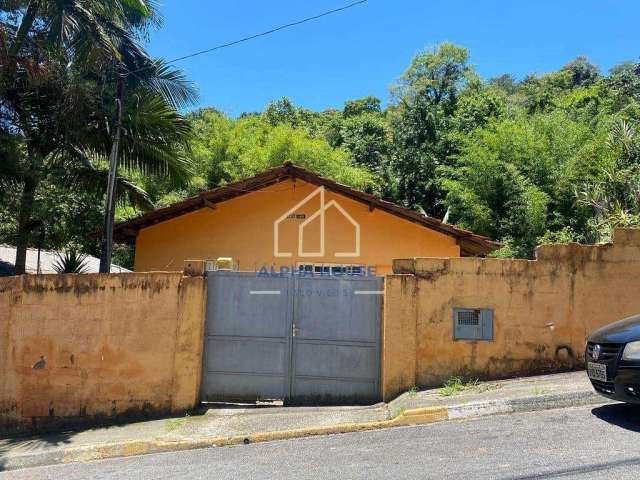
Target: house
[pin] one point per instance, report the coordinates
(44, 262)
(290, 217)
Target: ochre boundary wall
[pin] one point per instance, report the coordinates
(543, 311)
(80, 348)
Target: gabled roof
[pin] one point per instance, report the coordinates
(470, 243)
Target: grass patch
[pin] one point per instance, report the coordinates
(539, 391)
(174, 423)
(457, 385)
(453, 386)
(398, 413)
(412, 392)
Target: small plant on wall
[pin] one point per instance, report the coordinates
(71, 261)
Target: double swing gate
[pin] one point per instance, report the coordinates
(303, 339)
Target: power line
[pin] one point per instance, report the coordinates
(261, 34)
(268, 32)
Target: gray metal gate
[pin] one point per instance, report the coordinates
(304, 339)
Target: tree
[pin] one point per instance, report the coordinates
(154, 147)
(614, 197)
(366, 137)
(521, 161)
(212, 135)
(281, 111)
(437, 75)
(493, 198)
(505, 82)
(542, 159)
(426, 99)
(354, 108)
(53, 101)
(478, 104)
(515, 178)
(226, 150)
(39, 36)
(257, 147)
(623, 90)
(583, 73)
(362, 129)
(86, 26)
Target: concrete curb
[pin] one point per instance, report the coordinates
(416, 416)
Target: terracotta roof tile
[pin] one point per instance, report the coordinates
(470, 243)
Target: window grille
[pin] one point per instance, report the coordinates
(472, 324)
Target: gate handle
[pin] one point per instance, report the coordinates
(295, 330)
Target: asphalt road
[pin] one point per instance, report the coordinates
(586, 442)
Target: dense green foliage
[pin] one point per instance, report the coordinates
(61, 64)
(549, 158)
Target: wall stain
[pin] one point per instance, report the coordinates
(543, 311)
(86, 350)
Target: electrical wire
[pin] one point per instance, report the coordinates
(261, 34)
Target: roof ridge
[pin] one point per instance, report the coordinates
(127, 229)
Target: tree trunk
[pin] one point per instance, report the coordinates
(25, 25)
(110, 206)
(24, 222)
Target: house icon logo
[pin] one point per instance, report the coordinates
(320, 191)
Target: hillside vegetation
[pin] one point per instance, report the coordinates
(548, 158)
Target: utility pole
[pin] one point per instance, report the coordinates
(110, 205)
(40, 244)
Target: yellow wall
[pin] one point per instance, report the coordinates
(540, 308)
(93, 345)
(242, 228)
(129, 343)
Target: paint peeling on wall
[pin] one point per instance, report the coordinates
(543, 310)
(89, 348)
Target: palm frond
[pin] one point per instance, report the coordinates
(91, 173)
(158, 160)
(169, 82)
(156, 139)
(624, 135)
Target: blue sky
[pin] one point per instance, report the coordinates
(363, 50)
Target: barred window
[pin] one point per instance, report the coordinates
(469, 317)
(472, 324)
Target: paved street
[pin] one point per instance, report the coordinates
(567, 443)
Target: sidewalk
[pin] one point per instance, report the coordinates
(237, 424)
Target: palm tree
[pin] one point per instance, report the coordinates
(167, 90)
(83, 25)
(63, 61)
